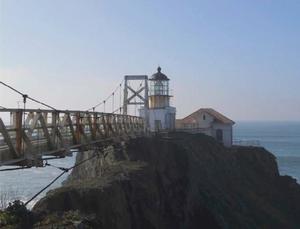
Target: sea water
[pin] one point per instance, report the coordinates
(280, 138)
(24, 184)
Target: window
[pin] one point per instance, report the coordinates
(204, 117)
(158, 88)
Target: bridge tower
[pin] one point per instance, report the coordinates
(132, 93)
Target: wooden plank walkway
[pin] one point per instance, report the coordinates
(34, 134)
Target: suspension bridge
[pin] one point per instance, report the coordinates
(35, 135)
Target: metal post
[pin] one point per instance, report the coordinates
(78, 127)
(54, 126)
(147, 125)
(125, 103)
(19, 130)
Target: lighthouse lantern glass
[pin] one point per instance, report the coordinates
(159, 87)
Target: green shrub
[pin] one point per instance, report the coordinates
(16, 215)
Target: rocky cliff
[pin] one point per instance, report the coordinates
(179, 181)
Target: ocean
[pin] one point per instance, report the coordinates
(280, 138)
(24, 184)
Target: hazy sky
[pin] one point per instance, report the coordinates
(240, 57)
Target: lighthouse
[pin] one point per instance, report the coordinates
(161, 115)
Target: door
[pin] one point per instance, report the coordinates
(157, 125)
(219, 135)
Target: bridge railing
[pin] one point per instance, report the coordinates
(248, 142)
(35, 133)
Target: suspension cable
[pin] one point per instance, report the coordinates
(47, 186)
(24, 122)
(119, 109)
(26, 96)
(64, 170)
(12, 169)
(113, 102)
(120, 98)
(107, 98)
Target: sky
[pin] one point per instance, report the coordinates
(239, 57)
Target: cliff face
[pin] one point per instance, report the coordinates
(183, 181)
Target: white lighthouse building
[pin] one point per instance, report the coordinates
(161, 115)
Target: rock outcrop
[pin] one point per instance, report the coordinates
(179, 181)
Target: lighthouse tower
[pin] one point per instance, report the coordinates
(160, 114)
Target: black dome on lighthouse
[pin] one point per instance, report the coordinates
(159, 75)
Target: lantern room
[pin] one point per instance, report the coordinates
(159, 96)
(158, 113)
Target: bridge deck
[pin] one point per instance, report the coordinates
(33, 133)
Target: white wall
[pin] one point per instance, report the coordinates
(210, 127)
(204, 123)
(199, 122)
(160, 114)
(227, 133)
